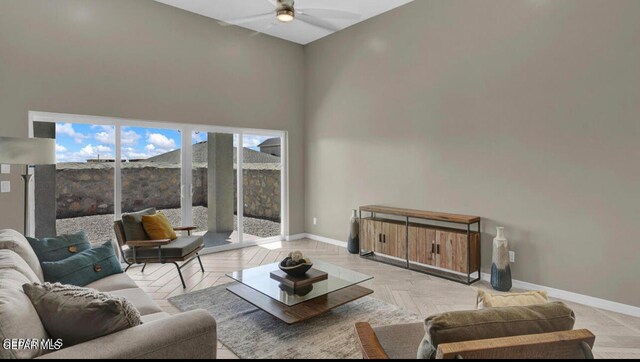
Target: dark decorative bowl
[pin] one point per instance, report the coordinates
(296, 271)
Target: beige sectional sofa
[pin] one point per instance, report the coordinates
(185, 335)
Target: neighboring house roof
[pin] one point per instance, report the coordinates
(270, 142)
(200, 155)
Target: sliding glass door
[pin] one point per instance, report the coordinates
(151, 164)
(227, 182)
(261, 168)
(83, 182)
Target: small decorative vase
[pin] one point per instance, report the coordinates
(500, 269)
(353, 245)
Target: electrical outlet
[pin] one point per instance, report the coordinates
(512, 256)
(6, 169)
(5, 186)
(315, 221)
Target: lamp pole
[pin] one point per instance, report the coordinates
(27, 180)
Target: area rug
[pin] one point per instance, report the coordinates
(251, 333)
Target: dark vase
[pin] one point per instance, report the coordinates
(353, 245)
(500, 269)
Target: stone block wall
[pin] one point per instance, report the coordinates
(85, 189)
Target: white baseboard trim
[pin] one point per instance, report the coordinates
(555, 293)
(575, 297)
(325, 240)
(296, 237)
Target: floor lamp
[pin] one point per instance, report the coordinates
(27, 151)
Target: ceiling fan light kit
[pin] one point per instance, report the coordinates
(285, 14)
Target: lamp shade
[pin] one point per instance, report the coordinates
(27, 151)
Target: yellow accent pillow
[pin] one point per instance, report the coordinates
(158, 227)
(492, 300)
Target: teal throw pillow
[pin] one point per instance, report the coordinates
(84, 267)
(60, 247)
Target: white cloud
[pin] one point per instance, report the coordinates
(60, 148)
(150, 148)
(130, 138)
(130, 153)
(107, 136)
(198, 137)
(161, 141)
(89, 151)
(67, 130)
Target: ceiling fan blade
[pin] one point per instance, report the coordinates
(330, 14)
(245, 20)
(273, 2)
(275, 23)
(317, 22)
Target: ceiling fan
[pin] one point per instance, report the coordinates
(286, 12)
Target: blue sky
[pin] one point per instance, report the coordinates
(79, 142)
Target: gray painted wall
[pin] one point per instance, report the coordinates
(523, 112)
(144, 60)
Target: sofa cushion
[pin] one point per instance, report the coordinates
(132, 224)
(19, 319)
(84, 267)
(491, 300)
(12, 279)
(495, 323)
(400, 341)
(113, 282)
(59, 247)
(158, 227)
(182, 246)
(76, 314)
(13, 240)
(10, 260)
(143, 303)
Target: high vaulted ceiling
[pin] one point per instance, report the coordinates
(296, 31)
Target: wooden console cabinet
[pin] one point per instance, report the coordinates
(448, 252)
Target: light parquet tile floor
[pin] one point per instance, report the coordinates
(617, 335)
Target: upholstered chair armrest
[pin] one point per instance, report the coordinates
(189, 335)
(184, 228)
(369, 343)
(573, 344)
(149, 243)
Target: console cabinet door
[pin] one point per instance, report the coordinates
(454, 250)
(367, 240)
(422, 245)
(378, 245)
(401, 241)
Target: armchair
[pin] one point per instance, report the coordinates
(540, 332)
(183, 249)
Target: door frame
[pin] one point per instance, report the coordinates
(186, 164)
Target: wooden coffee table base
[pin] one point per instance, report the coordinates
(303, 311)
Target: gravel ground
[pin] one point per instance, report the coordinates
(99, 228)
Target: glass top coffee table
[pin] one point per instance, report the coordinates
(256, 286)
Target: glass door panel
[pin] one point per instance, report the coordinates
(84, 179)
(261, 188)
(151, 171)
